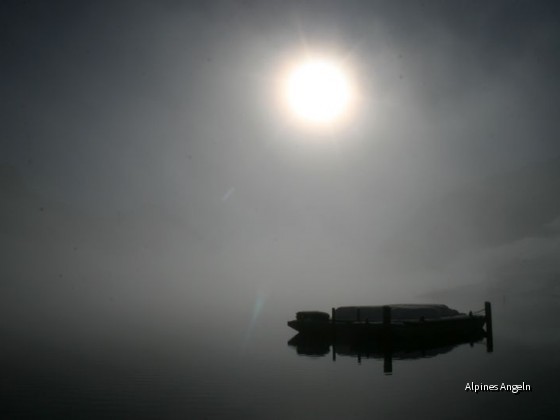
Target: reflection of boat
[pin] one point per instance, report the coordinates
(386, 349)
(389, 332)
(402, 322)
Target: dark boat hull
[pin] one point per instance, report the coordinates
(456, 325)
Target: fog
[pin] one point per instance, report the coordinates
(149, 178)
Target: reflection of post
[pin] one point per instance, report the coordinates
(387, 359)
(489, 332)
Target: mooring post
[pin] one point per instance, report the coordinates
(333, 333)
(386, 318)
(489, 332)
(387, 350)
(358, 314)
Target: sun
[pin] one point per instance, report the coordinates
(318, 92)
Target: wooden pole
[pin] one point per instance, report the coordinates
(386, 315)
(387, 351)
(489, 332)
(333, 338)
(386, 320)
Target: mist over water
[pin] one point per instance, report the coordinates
(161, 220)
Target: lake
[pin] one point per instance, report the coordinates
(242, 367)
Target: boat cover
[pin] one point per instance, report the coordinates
(398, 312)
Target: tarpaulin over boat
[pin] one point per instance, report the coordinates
(398, 312)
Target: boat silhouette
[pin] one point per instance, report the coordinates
(403, 321)
(389, 332)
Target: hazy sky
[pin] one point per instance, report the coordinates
(168, 108)
(107, 97)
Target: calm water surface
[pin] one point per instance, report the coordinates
(229, 370)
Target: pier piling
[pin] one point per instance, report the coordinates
(386, 319)
(333, 332)
(489, 332)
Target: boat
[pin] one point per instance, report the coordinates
(400, 321)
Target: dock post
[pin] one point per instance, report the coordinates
(489, 332)
(333, 333)
(387, 344)
(358, 314)
(386, 320)
(386, 315)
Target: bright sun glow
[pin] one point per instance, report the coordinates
(318, 92)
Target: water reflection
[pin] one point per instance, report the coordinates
(386, 350)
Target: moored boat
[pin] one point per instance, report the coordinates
(394, 321)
